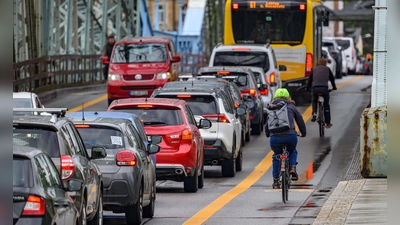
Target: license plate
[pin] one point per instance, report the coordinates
(138, 93)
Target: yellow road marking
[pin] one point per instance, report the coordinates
(290, 190)
(89, 103)
(204, 214)
(221, 201)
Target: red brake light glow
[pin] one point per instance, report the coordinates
(67, 167)
(264, 92)
(235, 6)
(272, 78)
(241, 49)
(236, 105)
(223, 72)
(250, 91)
(183, 96)
(126, 158)
(34, 206)
(302, 7)
(309, 64)
(145, 106)
(82, 125)
(221, 118)
(186, 135)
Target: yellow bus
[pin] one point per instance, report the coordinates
(293, 29)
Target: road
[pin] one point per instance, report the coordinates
(248, 198)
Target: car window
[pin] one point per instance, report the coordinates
(71, 133)
(43, 139)
(37, 102)
(157, 115)
(136, 137)
(22, 103)
(189, 115)
(226, 104)
(47, 174)
(78, 139)
(107, 137)
(22, 172)
(140, 129)
(343, 43)
(140, 53)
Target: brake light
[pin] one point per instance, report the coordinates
(223, 72)
(309, 64)
(34, 206)
(221, 118)
(250, 91)
(145, 106)
(184, 96)
(186, 134)
(302, 7)
(82, 125)
(329, 60)
(67, 167)
(241, 49)
(236, 105)
(272, 78)
(126, 158)
(264, 92)
(235, 6)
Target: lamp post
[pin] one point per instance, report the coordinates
(157, 22)
(180, 3)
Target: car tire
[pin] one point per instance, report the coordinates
(200, 183)
(190, 184)
(110, 101)
(247, 136)
(243, 139)
(239, 160)
(83, 216)
(134, 212)
(148, 211)
(98, 218)
(256, 129)
(228, 167)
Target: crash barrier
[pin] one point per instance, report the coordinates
(373, 142)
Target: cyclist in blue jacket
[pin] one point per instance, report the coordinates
(288, 137)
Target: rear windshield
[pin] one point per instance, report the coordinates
(199, 104)
(102, 136)
(156, 116)
(22, 172)
(331, 46)
(343, 43)
(236, 58)
(22, 103)
(257, 75)
(140, 53)
(240, 79)
(43, 139)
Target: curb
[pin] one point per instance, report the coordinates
(53, 94)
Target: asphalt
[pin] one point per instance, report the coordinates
(355, 200)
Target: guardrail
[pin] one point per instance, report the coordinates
(56, 71)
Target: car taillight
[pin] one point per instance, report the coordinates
(309, 64)
(272, 78)
(264, 92)
(250, 91)
(221, 118)
(236, 104)
(34, 206)
(126, 158)
(333, 52)
(352, 54)
(67, 167)
(186, 134)
(329, 60)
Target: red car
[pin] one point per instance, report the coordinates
(139, 65)
(182, 147)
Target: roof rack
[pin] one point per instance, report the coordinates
(55, 112)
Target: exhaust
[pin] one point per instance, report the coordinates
(214, 162)
(179, 171)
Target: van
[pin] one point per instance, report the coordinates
(139, 65)
(347, 45)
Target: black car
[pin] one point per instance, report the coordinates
(39, 197)
(129, 174)
(232, 91)
(246, 81)
(57, 136)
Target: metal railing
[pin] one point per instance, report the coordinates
(51, 72)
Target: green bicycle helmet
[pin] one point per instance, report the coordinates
(282, 93)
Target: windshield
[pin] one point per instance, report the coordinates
(237, 58)
(102, 136)
(157, 116)
(257, 26)
(46, 140)
(22, 172)
(140, 53)
(343, 43)
(329, 45)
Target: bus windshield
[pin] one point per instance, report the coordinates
(259, 26)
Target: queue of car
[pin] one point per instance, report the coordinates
(111, 160)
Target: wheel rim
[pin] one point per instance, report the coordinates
(141, 202)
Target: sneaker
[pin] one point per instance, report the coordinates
(328, 125)
(293, 172)
(276, 184)
(314, 118)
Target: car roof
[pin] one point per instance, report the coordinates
(22, 94)
(191, 90)
(155, 101)
(41, 120)
(252, 47)
(112, 118)
(26, 151)
(164, 40)
(197, 83)
(226, 68)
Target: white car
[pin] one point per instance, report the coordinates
(331, 63)
(27, 100)
(347, 44)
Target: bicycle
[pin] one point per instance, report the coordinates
(320, 114)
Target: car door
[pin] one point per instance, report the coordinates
(229, 108)
(195, 131)
(91, 180)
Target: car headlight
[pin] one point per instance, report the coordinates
(113, 77)
(163, 76)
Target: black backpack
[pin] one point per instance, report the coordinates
(278, 117)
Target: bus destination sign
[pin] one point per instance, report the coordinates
(266, 5)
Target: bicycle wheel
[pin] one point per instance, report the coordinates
(287, 180)
(284, 181)
(321, 120)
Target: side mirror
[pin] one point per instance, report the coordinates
(104, 60)
(74, 185)
(98, 152)
(205, 124)
(282, 68)
(156, 139)
(153, 149)
(244, 106)
(240, 111)
(176, 59)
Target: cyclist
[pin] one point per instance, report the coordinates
(288, 137)
(318, 83)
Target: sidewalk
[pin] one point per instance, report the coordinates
(361, 201)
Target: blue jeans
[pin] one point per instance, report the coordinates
(291, 141)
